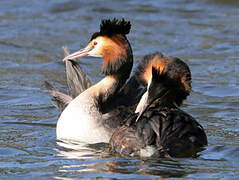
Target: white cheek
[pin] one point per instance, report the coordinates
(96, 52)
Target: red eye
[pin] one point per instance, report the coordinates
(95, 43)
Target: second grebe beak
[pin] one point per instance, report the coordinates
(78, 54)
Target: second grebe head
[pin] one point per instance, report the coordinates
(111, 44)
(168, 80)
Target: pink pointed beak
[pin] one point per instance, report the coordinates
(79, 54)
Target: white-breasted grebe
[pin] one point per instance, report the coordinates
(83, 117)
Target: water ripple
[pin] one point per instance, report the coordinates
(204, 33)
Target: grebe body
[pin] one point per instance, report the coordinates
(159, 127)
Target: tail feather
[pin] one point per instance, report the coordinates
(59, 100)
(77, 80)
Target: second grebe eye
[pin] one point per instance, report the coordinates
(95, 43)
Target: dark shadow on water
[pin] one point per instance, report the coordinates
(233, 3)
(221, 153)
(157, 167)
(31, 124)
(64, 7)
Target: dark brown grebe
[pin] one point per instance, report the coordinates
(160, 127)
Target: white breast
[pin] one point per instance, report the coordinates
(81, 121)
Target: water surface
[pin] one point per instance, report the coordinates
(203, 33)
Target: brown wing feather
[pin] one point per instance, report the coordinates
(179, 133)
(125, 142)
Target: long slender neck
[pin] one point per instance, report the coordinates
(169, 100)
(117, 71)
(107, 87)
(117, 67)
(103, 92)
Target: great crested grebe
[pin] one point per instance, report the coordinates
(160, 128)
(82, 119)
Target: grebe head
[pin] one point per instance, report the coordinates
(111, 44)
(168, 80)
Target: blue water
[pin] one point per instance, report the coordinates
(203, 33)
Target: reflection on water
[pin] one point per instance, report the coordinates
(97, 159)
(204, 33)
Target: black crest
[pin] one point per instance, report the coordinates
(111, 27)
(115, 26)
